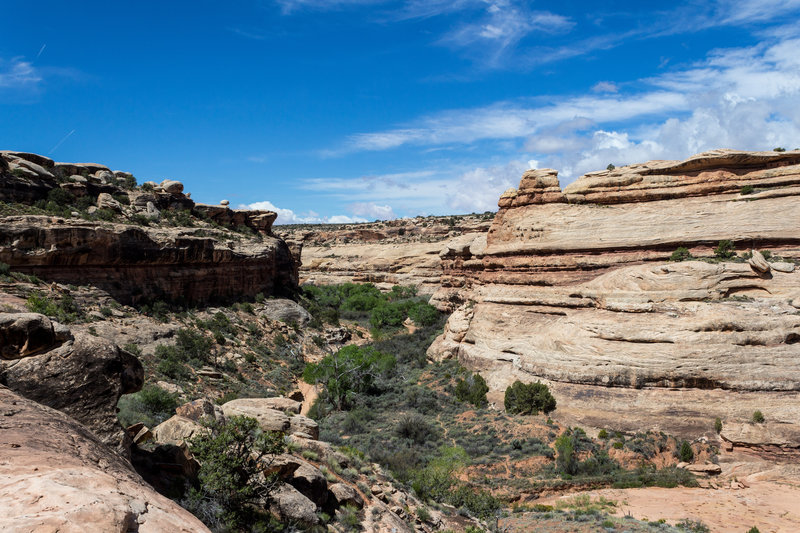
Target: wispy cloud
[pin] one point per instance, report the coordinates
(17, 73)
(291, 6)
(287, 216)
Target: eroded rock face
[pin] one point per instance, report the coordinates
(576, 287)
(83, 378)
(137, 263)
(397, 252)
(55, 475)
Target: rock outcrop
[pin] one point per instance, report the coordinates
(83, 378)
(576, 287)
(55, 475)
(395, 252)
(135, 261)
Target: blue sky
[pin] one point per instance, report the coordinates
(344, 110)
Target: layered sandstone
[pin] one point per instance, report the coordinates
(395, 252)
(146, 243)
(576, 286)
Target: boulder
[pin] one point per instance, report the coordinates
(284, 404)
(343, 494)
(177, 430)
(285, 311)
(197, 410)
(106, 201)
(290, 505)
(58, 476)
(707, 469)
(299, 424)
(84, 379)
(310, 482)
(172, 187)
(758, 263)
(782, 266)
(269, 419)
(24, 334)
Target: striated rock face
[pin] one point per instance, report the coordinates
(135, 261)
(83, 378)
(140, 264)
(576, 287)
(396, 252)
(55, 475)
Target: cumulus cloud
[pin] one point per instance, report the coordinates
(287, 216)
(372, 211)
(477, 190)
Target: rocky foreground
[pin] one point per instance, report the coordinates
(580, 287)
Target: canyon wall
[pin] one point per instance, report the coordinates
(576, 287)
(394, 252)
(80, 223)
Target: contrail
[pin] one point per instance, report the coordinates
(54, 148)
(41, 50)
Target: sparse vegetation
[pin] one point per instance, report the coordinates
(724, 250)
(472, 389)
(529, 399)
(681, 254)
(758, 417)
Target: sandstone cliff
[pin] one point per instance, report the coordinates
(576, 286)
(395, 252)
(83, 224)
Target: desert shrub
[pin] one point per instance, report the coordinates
(60, 197)
(717, 425)
(685, 452)
(416, 429)
(5, 269)
(64, 310)
(753, 529)
(472, 389)
(351, 370)
(747, 189)
(692, 526)
(681, 254)
(529, 399)
(610, 166)
(603, 434)
(758, 417)
(779, 149)
(566, 461)
(423, 314)
(387, 315)
(151, 406)
(725, 250)
(235, 458)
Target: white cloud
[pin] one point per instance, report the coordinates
(605, 87)
(372, 211)
(18, 74)
(287, 216)
(477, 190)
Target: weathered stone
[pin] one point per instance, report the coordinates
(196, 410)
(269, 419)
(707, 469)
(106, 201)
(25, 334)
(303, 425)
(84, 379)
(282, 403)
(757, 262)
(285, 311)
(177, 430)
(172, 187)
(58, 476)
(290, 505)
(782, 266)
(344, 494)
(310, 482)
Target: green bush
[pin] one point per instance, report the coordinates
(758, 417)
(753, 529)
(718, 425)
(603, 434)
(686, 453)
(529, 399)
(60, 197)
(725, 250)
(235, 459)
(151, 406)
(747, 189)
(351, 370)
(64, 310)
(681, 254)
(566, 460)
(473, 389)
(423, 314)
(5, 269)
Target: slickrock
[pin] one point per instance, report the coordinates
(576, 287)
(269, 419)
(56, 475)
